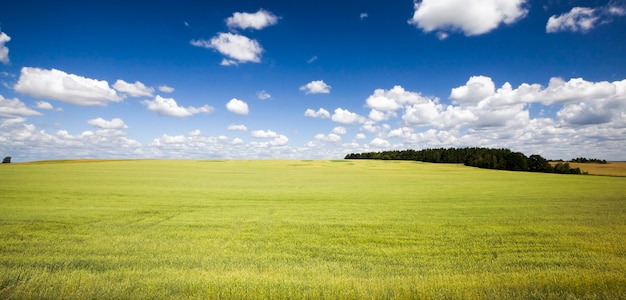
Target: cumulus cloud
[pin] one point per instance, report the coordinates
(377, 115)
(136, 89)
(239, 48)
(115, 123)
(575, 90)
(380, 143)
(258, 20)
(584, 19)
(316, 87)
(64, 87)
(235, 127)
(237, 106)
(393, 99)
(475, 90)
(320, 113)
(345, 116)
(422, 114)
(483, 114)
(4, 50)
(263, 95)
(166, 89)
(264, 134)
(340, 130)
(169, 107)
(332, 137)
(277, 139)
(472, 17)
(12, 108)
(58, 145)
(46, 106)
(360, 136)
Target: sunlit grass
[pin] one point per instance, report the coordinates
(307, 229)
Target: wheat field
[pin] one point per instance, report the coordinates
(240, 229)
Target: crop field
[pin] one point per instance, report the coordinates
(610, 169)
(290, 229)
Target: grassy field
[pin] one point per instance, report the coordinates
(307, 230)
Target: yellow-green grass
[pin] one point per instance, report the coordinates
(307, 229)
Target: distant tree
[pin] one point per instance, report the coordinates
(564, 168)
(516, 161)
(500, 159)
(6, 160)
(588, 160)
(536, 163)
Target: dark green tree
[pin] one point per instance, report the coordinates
(6, 160)
(536, 163)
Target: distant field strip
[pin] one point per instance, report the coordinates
(610, 169)
(363, 229)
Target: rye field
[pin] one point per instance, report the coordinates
(290, 229)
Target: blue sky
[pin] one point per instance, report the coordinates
(310, 79)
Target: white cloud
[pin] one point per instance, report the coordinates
(393, 99)
(332, 138)
(115, 123)
(264, 134)
(234, 127)
(403, 132)
(68, 88)
(584, 19)
(344, 116)
(320, 113)
(340, 130)
(46, 105)
(278, 140)
(4, 50)
(228, 62)
(237, 106)
(363, 16)
(11, 108)
(258, 20)
(166, 89)
(442, 35)
(316, 87)
(34, 144)
(312, 59)
(377, 115)
(575, 90)
(579, 19)
(423, 114)
(281, 140)
(263, 95)
(475, 90)
(585, 114)
(360, 136)
(238, 48)
(472, 17)
(136, 89)
(169, 107)
(380, 143)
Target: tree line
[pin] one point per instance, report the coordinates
(583, 160)
(487, 158)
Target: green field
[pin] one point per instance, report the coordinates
(307, 229)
